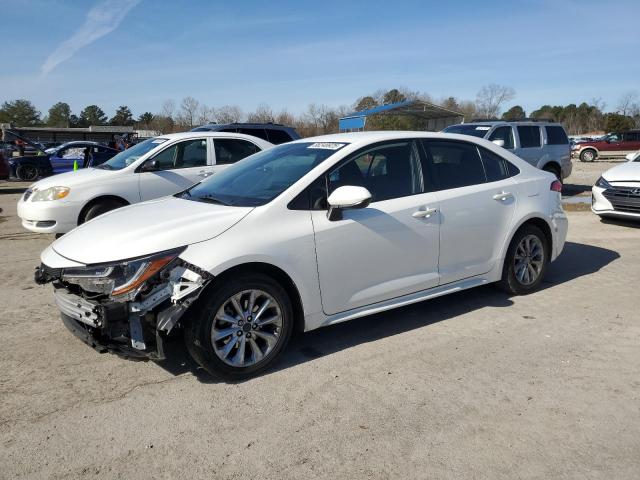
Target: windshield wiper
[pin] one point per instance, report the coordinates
(211, 199)
(104, 166)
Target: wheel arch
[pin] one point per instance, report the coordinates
(282, 277)
(589, 147)
(536, 220)
(99, 199)
(554, 165)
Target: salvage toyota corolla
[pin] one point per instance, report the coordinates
(307, 234)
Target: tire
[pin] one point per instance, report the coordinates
(250, 352)
(27, 172)
(514, 279)
(588, 155)
(103, 206)
(555, 170)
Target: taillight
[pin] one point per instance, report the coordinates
(556, 186)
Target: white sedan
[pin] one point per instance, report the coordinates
(617, 191)
(304, 235)
(153, 168)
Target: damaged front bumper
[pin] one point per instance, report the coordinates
(135, 328)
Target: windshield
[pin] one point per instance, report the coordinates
(260, 178)
(130, 155)
(468, 129)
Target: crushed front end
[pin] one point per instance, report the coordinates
(128, 307)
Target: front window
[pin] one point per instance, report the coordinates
(260, 178)
(130, 155)
(468, 129)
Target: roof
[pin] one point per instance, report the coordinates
(379, 136)
(209, 133)
(416, 108)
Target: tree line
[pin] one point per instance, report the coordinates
(319, 119)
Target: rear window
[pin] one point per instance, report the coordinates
(256, 132)
(278, 136)
(556, 135)
(529, 136)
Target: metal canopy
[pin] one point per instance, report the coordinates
(435, 117)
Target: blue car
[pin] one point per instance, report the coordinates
(60, 159)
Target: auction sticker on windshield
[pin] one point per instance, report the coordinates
(483, 128)
(327, 145)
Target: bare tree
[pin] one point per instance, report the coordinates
(263, 114)
(285, 118)
(229, 114)
(205, 115)
(168, 108)
(490, 99)
(188, 112)
(627, 103)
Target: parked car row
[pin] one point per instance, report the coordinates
(296, 236)
(617, 191)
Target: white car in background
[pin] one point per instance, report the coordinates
(153, 168)
(306, 234)
(617, 191)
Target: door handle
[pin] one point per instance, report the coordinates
(502, 196)
(425, 213)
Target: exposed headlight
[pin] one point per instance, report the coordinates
(121, 280)
(51, 193)
(602, 183)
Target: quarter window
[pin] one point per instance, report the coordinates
(556, 135)
(387, 171)
(187, 154)
(454, 164)
(529, 136)
(278, 136)
(230, 150)
(495, 167)
(505, 134)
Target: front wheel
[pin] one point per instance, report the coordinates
(241, 328)
(526, 261)
(27, 172)
(588, 155)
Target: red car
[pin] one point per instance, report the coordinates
(614, 145)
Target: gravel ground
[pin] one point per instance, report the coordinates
(473, 385)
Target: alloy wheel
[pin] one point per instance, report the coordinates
(246, 328)
(528, 260)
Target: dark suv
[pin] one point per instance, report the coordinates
(271, 132)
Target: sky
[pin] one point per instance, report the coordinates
(291, 53)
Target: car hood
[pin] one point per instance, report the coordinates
(70, 179)
(147, 228)
(627, 172)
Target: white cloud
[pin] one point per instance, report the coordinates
(101, 20)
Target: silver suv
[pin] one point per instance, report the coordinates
(542, 144)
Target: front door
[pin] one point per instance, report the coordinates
(477, 200)
(181, 165)
(388, 249)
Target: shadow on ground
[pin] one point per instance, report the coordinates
(576, 261)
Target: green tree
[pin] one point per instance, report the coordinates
(365, 103)
(615, 122)
(59, 115)
(145, 119)
(514, 113)
(92, 115)
(123, 116)
(393, 96)
(21, 113)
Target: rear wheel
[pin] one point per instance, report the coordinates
(588, 155)
(526, 261)
(27, 172)
(100, 207)
(241, 328)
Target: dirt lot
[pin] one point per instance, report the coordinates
(474, 385)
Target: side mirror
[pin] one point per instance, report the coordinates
(499, 142)
(150, 166)
(346, 198)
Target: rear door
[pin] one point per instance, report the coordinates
(228, 151)
(630, 142)
(529, 146)
(477, 201)
(181, 165)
